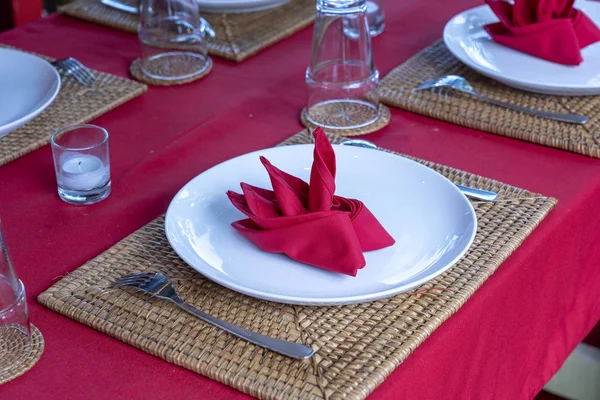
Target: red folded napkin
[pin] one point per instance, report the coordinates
(548, 29)
(308, 222)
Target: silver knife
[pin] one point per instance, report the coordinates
(117, 5)
(205, 27)
(479, 194)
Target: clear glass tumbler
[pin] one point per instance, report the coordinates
(172, 37)
(375, 17)
(82, 163)
(15, 334)
(342, 78)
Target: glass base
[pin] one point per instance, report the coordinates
(376, 29)
(84, 197)
(175, 65)
(342, 114)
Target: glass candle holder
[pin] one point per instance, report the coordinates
(82, 163)
(15, 333)
(173, 40)
(342, 78)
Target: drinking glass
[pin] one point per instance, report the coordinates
(82, 163)
(342, 78)
(375, 17)
(15, 334)
(172, 37)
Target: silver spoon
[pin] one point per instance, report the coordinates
(462, 85)
(474, 193)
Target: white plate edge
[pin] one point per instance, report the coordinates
(9, 127)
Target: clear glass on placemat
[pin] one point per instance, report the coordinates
(342, 78)
(15, 334)
(172, 37)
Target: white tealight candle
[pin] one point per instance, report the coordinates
(82, 172)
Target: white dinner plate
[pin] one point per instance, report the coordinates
(28, 85)
(432, 221)
(469, 42)
(237, 6)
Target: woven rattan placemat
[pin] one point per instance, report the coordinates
(357, 346)
(436, 61)
(74, 104)
(238, 36)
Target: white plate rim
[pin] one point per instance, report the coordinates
(546, 88)
(239, 7)
(21, 121)
(322, 301)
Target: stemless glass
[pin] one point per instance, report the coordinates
(172, 37)
(342, 78)
(376, 17)
(15, 334)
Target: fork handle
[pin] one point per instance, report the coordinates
(290, 349)
(570, 118)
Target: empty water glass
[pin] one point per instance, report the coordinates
(15, 334)
(342, 78)
(172, 37)
(375, 17)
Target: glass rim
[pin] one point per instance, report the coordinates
(20, 296)
(78, 126)
(374, 76)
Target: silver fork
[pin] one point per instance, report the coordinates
(462, 85)
(77, 70)
(158, 285)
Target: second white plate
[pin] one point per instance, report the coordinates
(470, 43)
(432, 222)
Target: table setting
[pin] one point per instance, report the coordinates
(551, 88)
(298, 313)
(319, 264)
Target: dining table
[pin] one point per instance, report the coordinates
(506, 342)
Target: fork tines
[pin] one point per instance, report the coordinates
(134, 279)
(77, 70)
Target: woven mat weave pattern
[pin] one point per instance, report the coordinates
(358, 346)
(461, 109)
(238, 36)
(74, 104)
(14, 349)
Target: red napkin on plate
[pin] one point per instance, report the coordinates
(308, 222)
(548, 29)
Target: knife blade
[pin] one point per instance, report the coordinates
(117, 5)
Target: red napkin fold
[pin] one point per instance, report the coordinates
(548, 29)
(309, 223)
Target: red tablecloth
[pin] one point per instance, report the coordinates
(505, 343)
